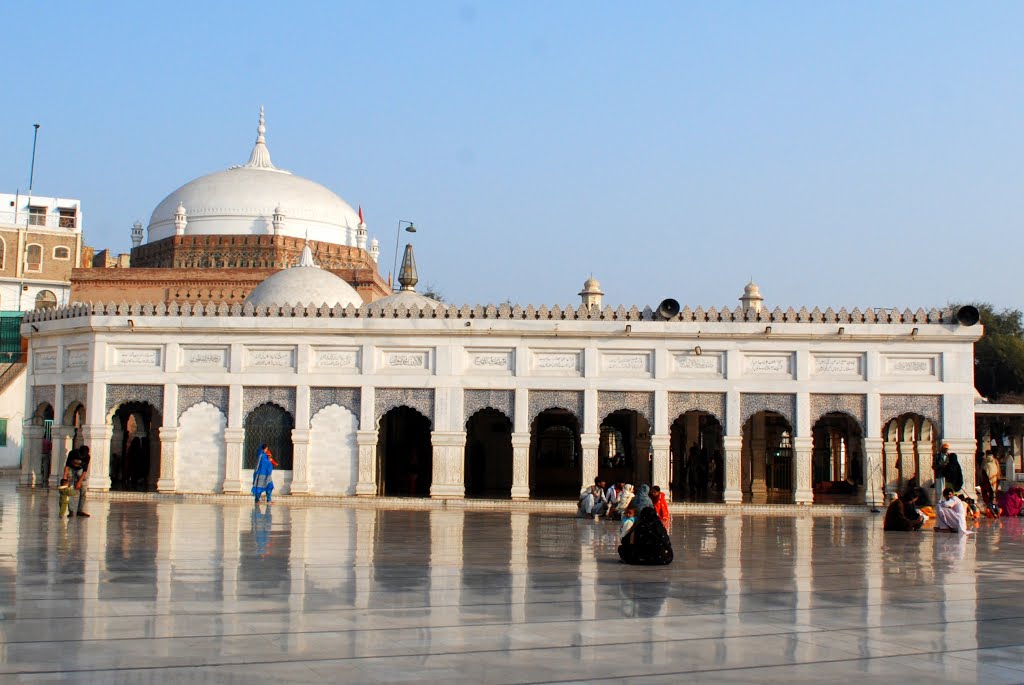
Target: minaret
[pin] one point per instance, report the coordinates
(591, 294)
(136, 234)
(752, 298)
(407, 276)
(278, 220)
(374, 250)
(180, 220)
(361, 231)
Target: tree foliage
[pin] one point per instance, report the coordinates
(433, 292)
(999, 355)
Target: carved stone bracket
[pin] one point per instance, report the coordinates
(928, 406)
(191, 395)
(325, 397)
(121, 394)
(500, 400)
(681, 402)
(254, 396)
(609, 401)
(752, 403)
(541, 400)
(420, 399)
(44, 394)
(74, 394)
(851, 405)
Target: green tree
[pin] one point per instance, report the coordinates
(433, 292)
(999, 355)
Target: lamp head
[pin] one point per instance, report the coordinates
(410, 228)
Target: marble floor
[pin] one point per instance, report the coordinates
(215, 592)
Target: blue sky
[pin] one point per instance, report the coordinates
(857, 154)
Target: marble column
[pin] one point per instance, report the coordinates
(97, 437)
(733, 477)
(660, 464)
(300, 461)
(449, 460)
(803, 492)
(758, 485)
(891, 473)
(366, 442)
(520, 466)
(234, 438)
(168, 457)
(908, 466)
(874, 483)
(31, 458)
(61, 436)
(590, 443)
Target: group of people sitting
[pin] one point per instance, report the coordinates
(644, 514)
(911, 511)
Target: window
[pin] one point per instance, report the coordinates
(34, 257)
(67, 217)
(61, 253)
(37, 216)
(3, 432)
(46, 299)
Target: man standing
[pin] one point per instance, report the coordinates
(76, 470)
(939, 463)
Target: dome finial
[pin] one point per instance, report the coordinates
(260, 157)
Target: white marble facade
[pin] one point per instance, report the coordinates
(337, 370)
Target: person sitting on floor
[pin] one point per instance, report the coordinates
(593, 501)
(902, 513)
(660, 505)
(647, 542)
(628, 519)
(951, 514)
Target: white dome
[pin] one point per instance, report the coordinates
(304, 284)
(242, 201)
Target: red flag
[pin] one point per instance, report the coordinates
(360, 214)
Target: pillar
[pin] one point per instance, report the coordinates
(234, 438)
(449, 449)
(366, 442)
(733, 478)
(61, 437)
(97, 437)
(590, 443)
(758, 486)
(300, 460)
(660, 475)
(803, 492)
(31, 462)
(168, 456)
(521, 466)
(874, 483)
(908, 466)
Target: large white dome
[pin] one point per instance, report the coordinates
(243, 200)
(303, 284)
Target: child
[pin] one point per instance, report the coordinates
(65, 491)
(628, 519)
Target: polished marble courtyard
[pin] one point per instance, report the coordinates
(162, 591)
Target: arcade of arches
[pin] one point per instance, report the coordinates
(495, 455)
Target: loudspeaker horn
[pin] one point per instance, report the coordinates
(968, 315)
(668, 309)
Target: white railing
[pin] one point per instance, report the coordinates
(48, 220)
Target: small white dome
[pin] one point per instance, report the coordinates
(304, 284)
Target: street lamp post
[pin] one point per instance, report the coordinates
(394, 269)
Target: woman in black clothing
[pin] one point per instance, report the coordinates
(647, 542)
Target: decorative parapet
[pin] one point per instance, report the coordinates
(516, 312)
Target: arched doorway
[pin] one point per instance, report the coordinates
(697, 457)
(488, 470)
(624, 450)
(135, 447)
(837, 460)
(556, 455)
(911, 441)
(405, 460)
(271, 425)
(768, 458)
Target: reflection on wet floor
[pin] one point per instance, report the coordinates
(158, 591)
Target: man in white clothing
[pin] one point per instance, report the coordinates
(950, 513)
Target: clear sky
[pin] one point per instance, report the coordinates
(843, 154)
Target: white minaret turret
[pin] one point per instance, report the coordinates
(180, 220)
(751, 298)
(591, 294)
(374, 249)
(278, 220)
(136, 234)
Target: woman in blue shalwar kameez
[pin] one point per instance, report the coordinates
(262, 477)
